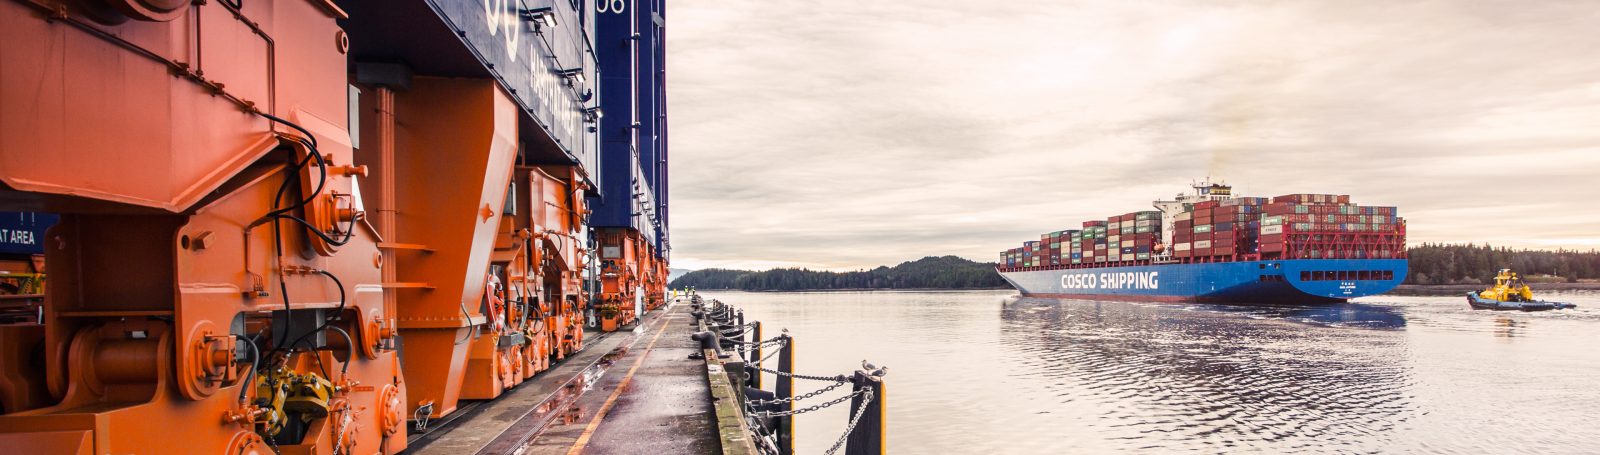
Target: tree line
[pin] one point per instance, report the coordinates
(947, 272)
(1433, 263)
(1430, 263)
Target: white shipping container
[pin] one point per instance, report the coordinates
(1202, 244)
(1274, 229)
(1127, 243)
(1181, 246)
(1183, 216)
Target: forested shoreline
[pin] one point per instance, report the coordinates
(946, 272)
(1430, 264)
(1433, 263)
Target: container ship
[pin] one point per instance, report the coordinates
(1208, 246)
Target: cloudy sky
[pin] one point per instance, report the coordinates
(843, 134)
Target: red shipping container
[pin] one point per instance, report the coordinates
(1206, 204)
(1198, 213)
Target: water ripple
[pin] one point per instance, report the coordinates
(1163, 378)
(974, 372)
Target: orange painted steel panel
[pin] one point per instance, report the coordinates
(454, 150)
(102, 121)
(182, 139)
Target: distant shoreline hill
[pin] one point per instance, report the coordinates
(932, 272)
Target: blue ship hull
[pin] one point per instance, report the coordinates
(1278, 281)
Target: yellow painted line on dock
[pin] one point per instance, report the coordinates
(588, 431)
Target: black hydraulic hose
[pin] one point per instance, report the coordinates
(318, 232)
(349, 357)
(468, 317)
(290, 124)
(337, 312)
(255, 363)
(313, 350)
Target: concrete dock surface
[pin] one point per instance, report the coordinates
(627, 392)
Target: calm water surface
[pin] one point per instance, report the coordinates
(985, 372)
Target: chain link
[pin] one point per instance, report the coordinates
(770, 342)
(839, 378)
(798, 397)
(816, 407)
(769, 355)
(851, 428)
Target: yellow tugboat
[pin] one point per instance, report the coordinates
(1510, 293)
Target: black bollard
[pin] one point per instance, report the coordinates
(707, 340)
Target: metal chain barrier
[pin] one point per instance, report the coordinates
(798, 397)
(774, 352)
(747, 346)
(816, 407)
(764, 418)
(851, 427)
(838, 378)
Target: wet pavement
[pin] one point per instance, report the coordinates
(654, 400)
(627, 392)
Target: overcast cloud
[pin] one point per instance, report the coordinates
(844, 134)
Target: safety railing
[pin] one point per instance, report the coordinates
(755, 420)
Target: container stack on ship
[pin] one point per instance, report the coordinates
(314, 226)
(1207, 245)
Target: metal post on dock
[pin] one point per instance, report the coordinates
(739, 325)
(784, 390)
(755, 355)
(868, 435)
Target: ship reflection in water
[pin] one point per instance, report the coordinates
(1159, 377)
(987, 372)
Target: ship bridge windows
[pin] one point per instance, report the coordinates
(1346, 275)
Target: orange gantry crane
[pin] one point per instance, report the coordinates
(294, 226)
